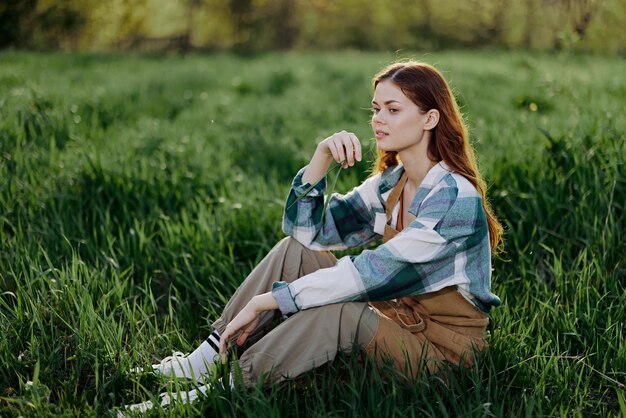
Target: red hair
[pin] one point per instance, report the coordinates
(426, 87)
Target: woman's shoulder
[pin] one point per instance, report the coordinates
(449, 178)
(445, 192)
(464, 188)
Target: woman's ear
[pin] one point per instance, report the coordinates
(432, 119)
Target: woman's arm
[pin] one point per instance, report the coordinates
(349, 218)
(341, 147)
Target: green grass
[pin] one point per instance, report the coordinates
(137, 192)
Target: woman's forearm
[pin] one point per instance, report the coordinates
(264, 302)
(318, 166)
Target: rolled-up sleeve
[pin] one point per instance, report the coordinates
(282, 294)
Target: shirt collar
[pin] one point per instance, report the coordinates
(391, 176)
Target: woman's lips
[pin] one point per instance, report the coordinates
(380, 134)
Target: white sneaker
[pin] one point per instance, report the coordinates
(167, 398)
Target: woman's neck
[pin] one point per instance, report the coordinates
(416, 168)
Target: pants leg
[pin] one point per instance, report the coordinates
(287, 261)
(307, 340)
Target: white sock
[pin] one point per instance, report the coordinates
(205, 355)
(214, 341)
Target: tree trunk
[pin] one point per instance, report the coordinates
(531, 15)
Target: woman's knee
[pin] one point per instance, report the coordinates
(310, 260)
(364, 320)
(288, 245)
(289, 242)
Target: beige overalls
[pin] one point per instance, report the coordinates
(415, 332)
(437, 326)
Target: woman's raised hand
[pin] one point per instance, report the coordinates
(344, 147)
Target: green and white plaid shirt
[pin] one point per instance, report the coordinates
(447, 244)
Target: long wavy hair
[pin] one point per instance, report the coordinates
(424, 85)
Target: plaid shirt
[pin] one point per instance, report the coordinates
(447, 244)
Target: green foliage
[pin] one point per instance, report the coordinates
(137, 192)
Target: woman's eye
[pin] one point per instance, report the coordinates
(393, 110)
(375, 111)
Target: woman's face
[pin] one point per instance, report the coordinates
(397, 122)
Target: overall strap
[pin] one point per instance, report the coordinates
(392, 200)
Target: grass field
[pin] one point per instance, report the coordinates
(137, 192)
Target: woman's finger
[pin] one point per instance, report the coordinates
(223, 341)
(357, 147)
(247, 331)
(242, 338)
(349, 149)
(334, 150)
(339, 140)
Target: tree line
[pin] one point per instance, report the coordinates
(261, 25)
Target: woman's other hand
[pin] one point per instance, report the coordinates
(246, 320)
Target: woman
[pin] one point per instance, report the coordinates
(420, 298)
